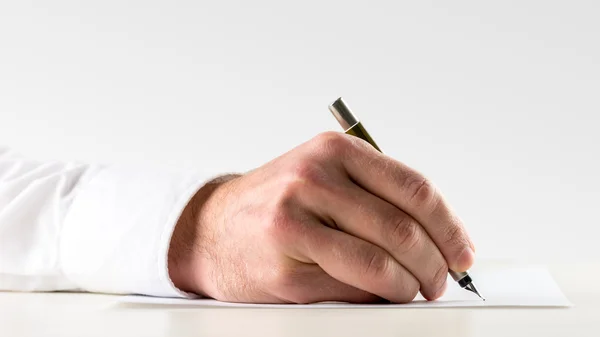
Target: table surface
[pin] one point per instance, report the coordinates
(61, 314)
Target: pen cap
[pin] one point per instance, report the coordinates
(351, 124)
(342, 114)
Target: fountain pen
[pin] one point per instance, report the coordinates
(354, 127)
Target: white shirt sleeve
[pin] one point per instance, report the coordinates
(90, 228)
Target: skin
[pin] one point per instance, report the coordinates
(331, 220)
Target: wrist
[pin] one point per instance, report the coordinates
(187, 249)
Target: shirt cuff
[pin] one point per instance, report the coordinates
(118, 229)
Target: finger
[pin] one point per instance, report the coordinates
(364, 215)
(410, 191)
(360, 264)
(308, 283)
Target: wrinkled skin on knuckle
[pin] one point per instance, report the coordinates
(454, 237)
(404, 235)
(285, 207)
(376, 264)
(439, 276)
(378, 268)
(422, 193)
(454, 242)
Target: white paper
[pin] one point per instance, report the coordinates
(502, 286)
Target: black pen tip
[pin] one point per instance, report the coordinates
(471, 287)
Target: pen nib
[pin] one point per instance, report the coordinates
(470, 287)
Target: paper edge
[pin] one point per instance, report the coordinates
(210, 303)
(558, 302)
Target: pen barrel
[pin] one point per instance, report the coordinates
(352, 126)
(359, 131)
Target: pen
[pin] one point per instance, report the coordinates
(354, 127)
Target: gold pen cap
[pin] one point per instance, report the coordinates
(343, 114)
(349, 122)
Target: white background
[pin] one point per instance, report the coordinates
(496, 101)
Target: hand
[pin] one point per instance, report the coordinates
(331, 220)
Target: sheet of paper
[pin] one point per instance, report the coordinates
(502, 286)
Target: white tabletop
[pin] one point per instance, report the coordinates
(23, 314)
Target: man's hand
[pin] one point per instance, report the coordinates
(331, 220)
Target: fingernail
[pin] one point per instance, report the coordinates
(465, 259)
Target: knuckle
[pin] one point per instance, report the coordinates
(405, 235)
(382, 273)
(377, 264)
(292, 184)
(440, 275)
(454, 236)
(307, 171)
(288, 191)
(422, 192)
(280, 226)
(332, 142)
